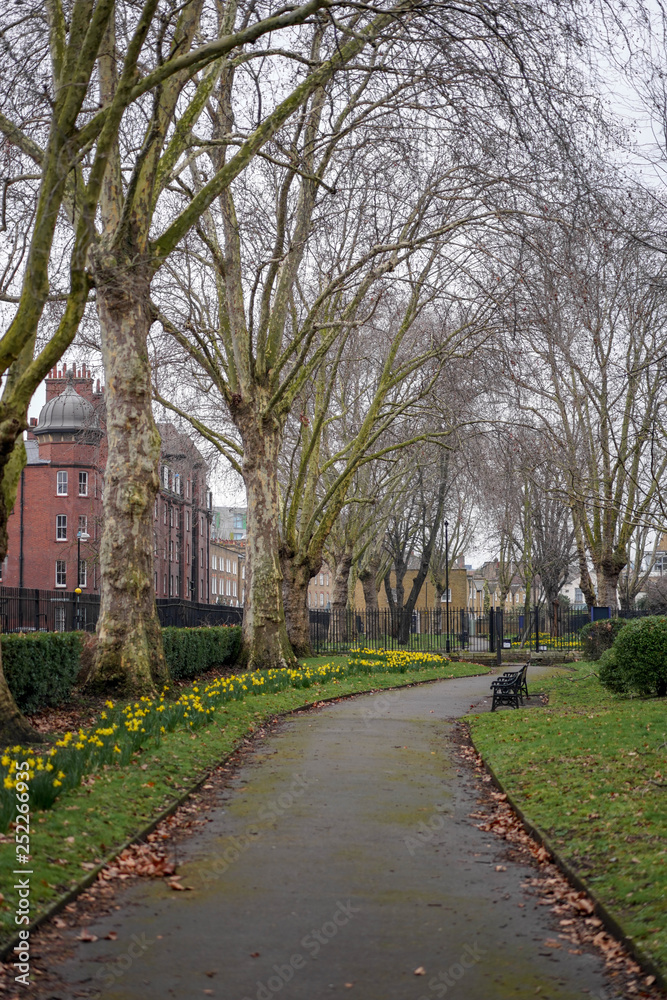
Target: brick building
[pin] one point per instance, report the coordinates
(60, 496)
(320, 588)
(228, 572)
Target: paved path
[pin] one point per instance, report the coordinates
(343, 854)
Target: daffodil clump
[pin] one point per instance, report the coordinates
(123, 729)
(548, 641)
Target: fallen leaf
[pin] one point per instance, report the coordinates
(254, 954)
(501, 868)
(111, 936)
(85, 935)
(88, 865)
(421, 971)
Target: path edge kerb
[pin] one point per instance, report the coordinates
(169, 810)
(600, 910)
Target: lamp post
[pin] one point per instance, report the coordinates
(447, 646)
(81, 536)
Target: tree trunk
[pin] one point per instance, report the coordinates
(340, 619)
(368, 577)
(129, 656)
(265, 640)
(607, 587)
(296, 578)
(341, 579)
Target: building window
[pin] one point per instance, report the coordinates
(201, 526)
(578, 596)
(61, 488)
(228, 566)
(321, 600)
(171, 517)
(321, 579)
(201, 558)
(164, 514)
(327, 579)
(165, 477)
(177, 483)
(155, 509)
(61, 573)
(164, 585)
(178, 585)
(243, 571)
(59, 618)
(171, 585)
(61, 527)
(171, 550)
(83, 524)
(83, 573)
(234, 587)
(233, 567)
(214, 562)
(187, 489)
(214, 585)
(178, 551)
(155, 543)
(187, 520)
(201, 590)
(187, 552)
(83, 484)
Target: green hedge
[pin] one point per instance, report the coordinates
(191, 651)
(41, 667)
(638, 660)
(596, 637)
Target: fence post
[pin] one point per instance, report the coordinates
(492, 630)
(499, 636)
(537, 627)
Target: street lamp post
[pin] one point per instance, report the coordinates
(81, 536)
(447, 645)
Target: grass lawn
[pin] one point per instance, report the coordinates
(110, 806)
(590, 771)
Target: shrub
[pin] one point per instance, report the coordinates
(610, 674)
(191, 651)
(598, 636)
(639, 661)
(41, 667)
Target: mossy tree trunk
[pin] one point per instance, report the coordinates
(296, 577)
(129, 657)
(266, 644)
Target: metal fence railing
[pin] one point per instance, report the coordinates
(24, 609)
(439, 630)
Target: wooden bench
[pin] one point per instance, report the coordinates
(509, 688)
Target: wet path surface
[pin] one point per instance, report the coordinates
(341, 860)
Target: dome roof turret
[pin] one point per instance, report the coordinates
(66, 413)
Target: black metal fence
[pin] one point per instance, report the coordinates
(23, 609)
(435, 630)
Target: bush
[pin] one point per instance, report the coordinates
(610, 675)
(639, 658)
(41, 667)
(598, 636)
(191, 651)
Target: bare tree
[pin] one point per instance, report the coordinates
(590, 373)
